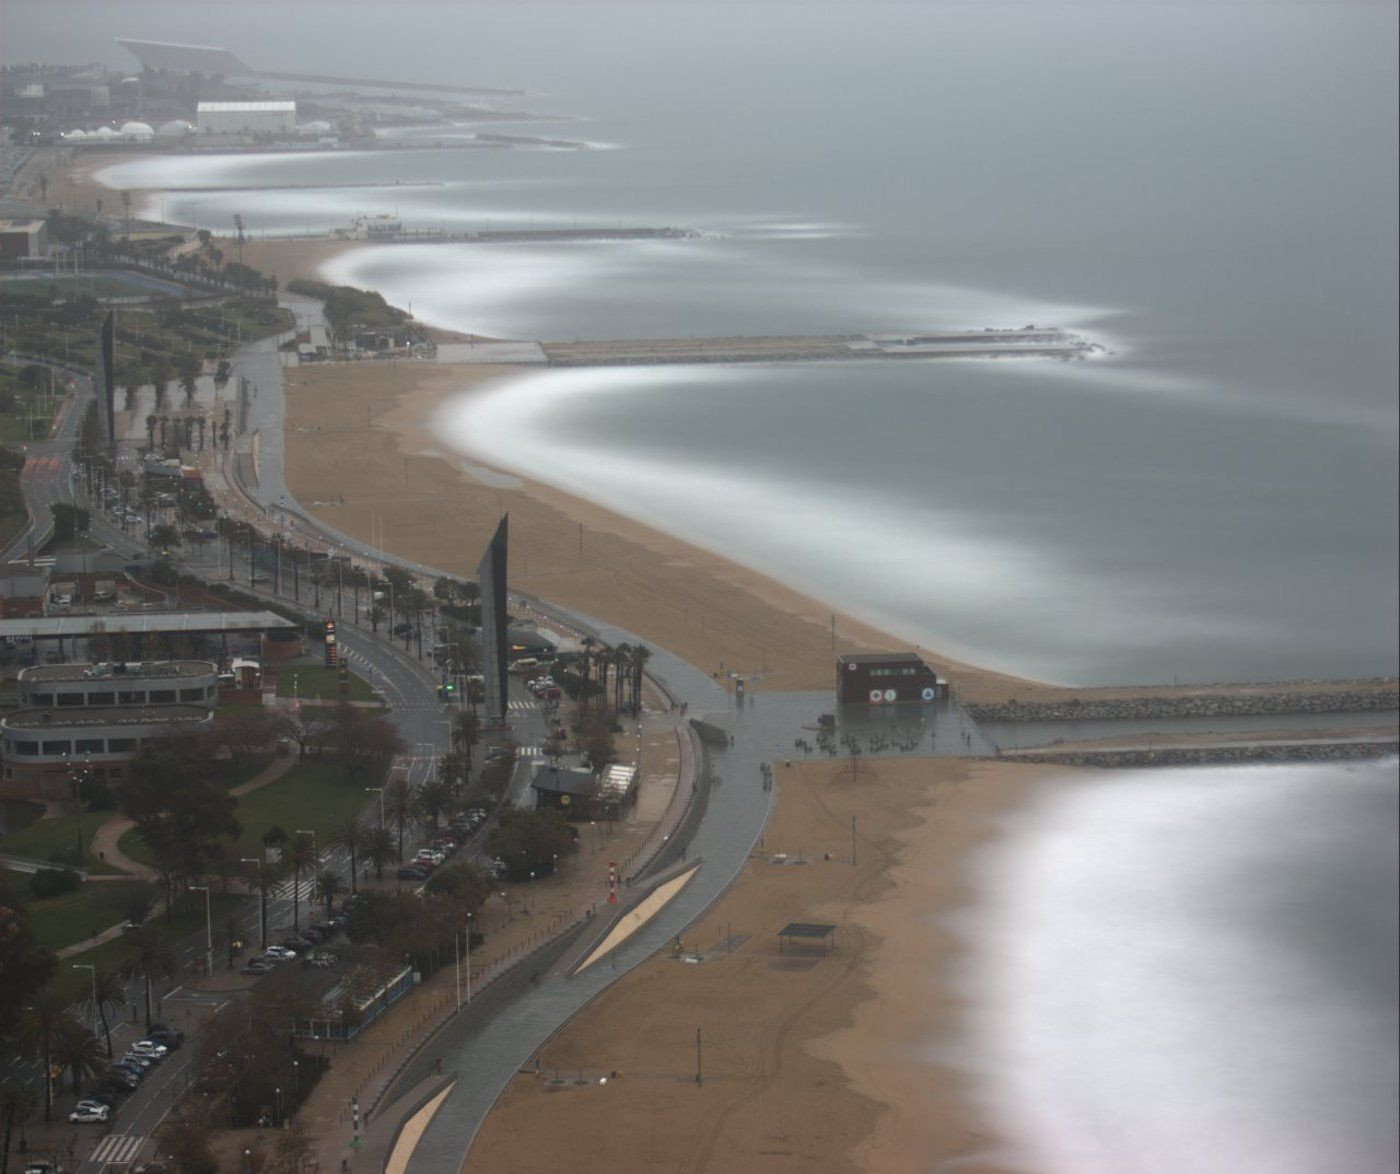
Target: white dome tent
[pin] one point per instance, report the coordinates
(140, 132)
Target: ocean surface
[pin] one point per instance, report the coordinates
(1187, 970)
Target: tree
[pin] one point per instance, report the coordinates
(351, 835)
(362, 743)
(434, 800)
(69, 521)
(108, 993)
(185, 1140)
(164, 536)
(379, 850)
(149, 960)
(178, 811)
(401, 802)
(327, 888)
(17, 1104)
(78, 1050)
(301, 853)
(39, 1028)
(25, 965)
(530, 841)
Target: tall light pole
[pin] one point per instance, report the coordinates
(381, 802)
(469, 959)
(208, 929)
(262, 898)
(85, 966)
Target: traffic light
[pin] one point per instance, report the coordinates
(331, 658)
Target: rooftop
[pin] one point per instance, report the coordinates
(26, 225)
(558, 780)
(114, 715)
(878, 657)
(206, 59)
(121, 670)
(52, 627)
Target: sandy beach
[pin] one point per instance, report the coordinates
(435, 509)
(810, 1061)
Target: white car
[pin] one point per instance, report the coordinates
(95, 1106)
(148, 1047)
(89, 1116)
(279, 953)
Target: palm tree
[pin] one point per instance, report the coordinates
(351, 835)
(377, 615)
(150, 960)
(39, 1028)
(379, 849)
(327, 888)
(268, 874)
(640, 655)
(401, 803)
(466, 731)
(17, 1105)
(585, 663)
(232, 932)
(109, 993)
(301, 853)
(435, 798)
(78, 1050)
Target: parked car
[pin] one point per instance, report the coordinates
(279, 953)
(409, 873)
(93, 1103)
(149, 1047)
(170, 1037)
(296, 944)
(89, 1116)
(258, 966)
(319, 961)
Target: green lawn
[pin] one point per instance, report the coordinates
(310, 795)
(309, 680)
(73, 984)
(88, 910)
(43, 838)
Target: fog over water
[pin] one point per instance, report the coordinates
(1177, 971)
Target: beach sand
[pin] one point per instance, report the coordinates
(810, 1062)
(433, 508)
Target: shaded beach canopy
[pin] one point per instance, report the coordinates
(809, 930)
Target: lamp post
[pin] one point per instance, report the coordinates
(469, 959)
(208, 929)
(528, 889)
(296, 881)
(262, 898)
(381, 802)
(296, 1079)
(278, 1093)
(85, 966)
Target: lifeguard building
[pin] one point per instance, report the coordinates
(886, 678)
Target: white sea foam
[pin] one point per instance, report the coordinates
(1190, 970)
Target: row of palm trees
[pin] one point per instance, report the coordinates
(616, 668)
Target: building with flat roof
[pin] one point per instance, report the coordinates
(246, 118)
(43, 750)
(885, 678)
(24, 238)
(120, 683)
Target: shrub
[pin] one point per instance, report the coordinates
(52, 882)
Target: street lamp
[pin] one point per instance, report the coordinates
(278, 1091)
(528, 889)
(85, 966)
(469, 959)
(381, 802)
(208, 929)
(262, 898)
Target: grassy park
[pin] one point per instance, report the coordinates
(45, 838)
(313, 682)
(71, 917)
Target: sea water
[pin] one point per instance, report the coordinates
(1191, 970)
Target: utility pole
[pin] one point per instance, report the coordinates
(853, 841)
(699, 1074)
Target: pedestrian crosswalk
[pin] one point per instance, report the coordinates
(117, 1149)
(522, 706)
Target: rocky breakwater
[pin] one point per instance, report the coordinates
(1217, 701)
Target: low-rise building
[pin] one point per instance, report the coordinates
(885, 678)
(246, 118)
(23, 238)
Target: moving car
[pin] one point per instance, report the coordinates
(258, 966)
(89, 1116)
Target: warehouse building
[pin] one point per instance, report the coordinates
(23, 238)
(246, 118)
(885, 678)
